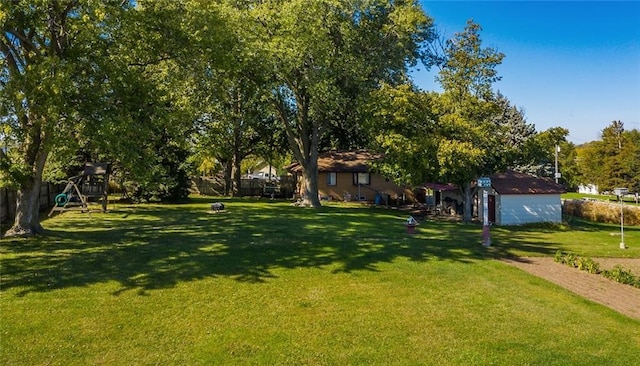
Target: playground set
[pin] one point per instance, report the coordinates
(91, 185)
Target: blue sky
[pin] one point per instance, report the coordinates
(573, 64)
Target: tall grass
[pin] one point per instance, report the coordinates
(603, 211)
(266, 283)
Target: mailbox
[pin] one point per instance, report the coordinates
(620, 191)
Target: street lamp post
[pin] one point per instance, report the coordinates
(620, 192)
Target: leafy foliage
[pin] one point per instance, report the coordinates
(324, 56)
(448, 137)
(513, 134)
(613, 161)
(617, 273)
(85, 79)
(469, 69)
(404, 126)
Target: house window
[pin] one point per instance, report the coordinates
(332, 178)
(361, 178)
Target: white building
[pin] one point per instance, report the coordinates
(517, 199)
(588, 189)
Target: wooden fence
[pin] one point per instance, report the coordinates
(212, 186)
(48, 192)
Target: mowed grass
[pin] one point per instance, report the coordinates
(266, 283)
(628, 200)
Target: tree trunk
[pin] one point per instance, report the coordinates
(237, 142)
(304, 140)
(310, 176)
(27, 220)
(237, 174)
(466, 195)
(227, 177)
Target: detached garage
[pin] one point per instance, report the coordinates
(517, 198)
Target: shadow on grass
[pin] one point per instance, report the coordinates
(156, 246)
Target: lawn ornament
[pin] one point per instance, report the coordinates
(411, 224)
(217, 207)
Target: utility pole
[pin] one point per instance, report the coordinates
(557, 175)
(485, 184)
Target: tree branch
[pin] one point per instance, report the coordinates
(25, 42)
(8, 55)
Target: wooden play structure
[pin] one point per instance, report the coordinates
(91, 185)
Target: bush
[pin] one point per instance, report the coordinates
(588, 264)
(621, 275)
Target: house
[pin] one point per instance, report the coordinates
(517, 198)
(346, 176)
(442, 198)
(264, 171)
(588, 189)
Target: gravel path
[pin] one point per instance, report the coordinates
(624, 299)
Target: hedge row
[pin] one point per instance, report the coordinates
(602, 211)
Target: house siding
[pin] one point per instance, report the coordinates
(524, 209)
(344, 185)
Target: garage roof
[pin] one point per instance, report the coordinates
(512, 182)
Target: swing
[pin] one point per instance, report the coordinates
(93, 183)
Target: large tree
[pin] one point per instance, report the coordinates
(50, 53)
(231, 97)
(81, 74)
(613, 161)
(321, 52)
(457, 135)
(468, 148)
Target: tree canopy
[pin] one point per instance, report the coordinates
(154, 86)
(613, 161)
(55, 63)
(324, 55)
(91, 76)
(447, 137)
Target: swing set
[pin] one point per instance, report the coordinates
(81, 189)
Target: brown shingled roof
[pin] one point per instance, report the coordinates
(440, 186)
(511, 182)
(341, 161)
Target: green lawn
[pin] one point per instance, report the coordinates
(266, 283)
(628, 200)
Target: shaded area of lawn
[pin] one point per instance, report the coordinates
(157, 246)
(266, 283)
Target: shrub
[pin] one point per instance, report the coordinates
(589, 265)
(621, 275)
(617, 274)
(558, 258)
